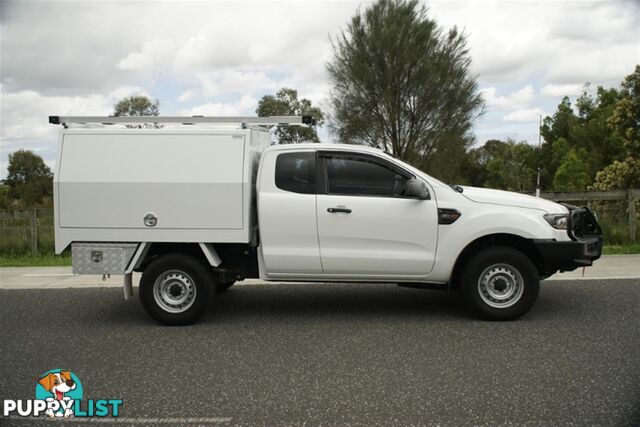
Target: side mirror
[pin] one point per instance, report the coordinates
(416, 189)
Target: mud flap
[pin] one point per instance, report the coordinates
(128, 286)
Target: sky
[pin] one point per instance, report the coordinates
(220, 58)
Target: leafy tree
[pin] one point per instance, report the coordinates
(573, 172)
(446, 161)
(138, 106)
(559, 150)
(593, 133)
(5, 201)
(556, 128)
(511, 168)
(29, 179)
(619, 174)
(473, 168)
(626, 114)
(504, 165)
(625, 122)
(286, 103)
(402, 84)
(585, 103)
(588, 132)
(561, 123)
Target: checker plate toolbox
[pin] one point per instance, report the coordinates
(101, 258)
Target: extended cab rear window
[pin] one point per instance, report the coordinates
(296, 172)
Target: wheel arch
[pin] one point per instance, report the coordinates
(228, 260)
(514, 241)
(158, 249)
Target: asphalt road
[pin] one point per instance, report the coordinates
(332, 354)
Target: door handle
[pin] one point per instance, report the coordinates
(339, 210)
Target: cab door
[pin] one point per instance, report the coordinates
(287, 213)
(366, 228)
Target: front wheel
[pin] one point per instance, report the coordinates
(175, 289)
(500, 283)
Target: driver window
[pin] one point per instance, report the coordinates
(361, 177)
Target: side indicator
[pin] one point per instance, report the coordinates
(448, 216)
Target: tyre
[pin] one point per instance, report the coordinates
(223, 286)
(175, 289)
(500, 283)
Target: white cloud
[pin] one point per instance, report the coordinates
(100, 45)
(235, 81)
(517, 99)
(524, 115)
(599, 64)
(564, 42)
(559, 90)
(187, 96)
(25, 117)
(202, 52)
(246, 106)
(153, 53)
(25, 114)
(69, 49)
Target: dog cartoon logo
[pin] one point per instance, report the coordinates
(60, 385)
(59, 394)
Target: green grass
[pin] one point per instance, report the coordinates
(627, 248)
(15, 235)
(37, 261)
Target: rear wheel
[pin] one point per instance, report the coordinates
(175, 289)
(500, 283)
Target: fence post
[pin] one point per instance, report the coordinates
(34, 232)
(632, 215)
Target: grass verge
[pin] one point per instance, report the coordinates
(34, 261)
(627, 248)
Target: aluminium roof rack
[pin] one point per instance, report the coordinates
(261, 121)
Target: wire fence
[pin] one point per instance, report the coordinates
(30, 232)
(617, 211)
(24, 232)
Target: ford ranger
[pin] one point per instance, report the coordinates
(196, 209)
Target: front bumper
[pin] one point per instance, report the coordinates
(568, 255)
(584, 247)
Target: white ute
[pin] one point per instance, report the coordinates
(205, 202)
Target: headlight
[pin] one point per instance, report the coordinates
(557, 221)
